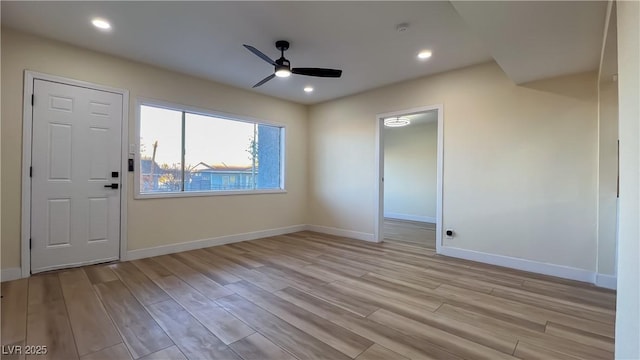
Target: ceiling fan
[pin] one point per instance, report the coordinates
(283, 66)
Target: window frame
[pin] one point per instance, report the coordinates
(134, 150)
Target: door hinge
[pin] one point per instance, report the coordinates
(33, 98)
(29, 243)
(30, 171)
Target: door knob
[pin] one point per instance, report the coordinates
(113, 186)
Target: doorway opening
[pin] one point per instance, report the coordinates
(409, 157)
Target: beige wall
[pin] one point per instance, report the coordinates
(152, 222)
(519, 161)
(410, 171)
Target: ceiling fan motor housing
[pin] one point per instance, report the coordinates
(283, 63)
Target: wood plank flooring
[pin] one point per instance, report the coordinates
(306, 296)
(412, 232)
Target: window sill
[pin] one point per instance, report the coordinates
(184, 194)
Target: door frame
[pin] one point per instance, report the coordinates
(379, 161)
(27, 130)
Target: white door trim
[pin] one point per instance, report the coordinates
(379, 161)
(27, 127)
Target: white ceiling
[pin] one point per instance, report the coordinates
(205, 39)
(533, 40)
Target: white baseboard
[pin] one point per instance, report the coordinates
(606, 281)
(229, 239)
(409, 217)
(10, 274)
(341, 232)
(565, 272)
(601, 280)
(221, 240)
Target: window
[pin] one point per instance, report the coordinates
(188, 152)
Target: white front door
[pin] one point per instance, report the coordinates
(76, 142)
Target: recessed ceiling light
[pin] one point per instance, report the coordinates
(424, 54)
(101, 24)
(308, 89)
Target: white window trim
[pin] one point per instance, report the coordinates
(135, 151)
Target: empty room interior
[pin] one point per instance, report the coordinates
(320, 180)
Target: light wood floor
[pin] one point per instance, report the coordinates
(413, 232)
(306, 296)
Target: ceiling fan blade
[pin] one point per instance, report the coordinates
(260, 54)
(319, 72)
(264, 80)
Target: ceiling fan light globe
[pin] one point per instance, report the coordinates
(283, 73)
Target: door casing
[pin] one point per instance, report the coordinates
(27, 128)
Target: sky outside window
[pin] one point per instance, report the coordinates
(165, 127)
(216, 141)
(211, 140)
